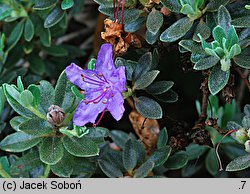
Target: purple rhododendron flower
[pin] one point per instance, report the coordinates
(102, 87)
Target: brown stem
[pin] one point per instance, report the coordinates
(204, 88)
(244, 76)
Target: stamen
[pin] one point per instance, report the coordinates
(92, 81)
(217, 148)
(99, 120)
(98, 97)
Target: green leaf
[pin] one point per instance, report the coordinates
(44, 4)
(168, 97)
(36, 126)
(143, 66)
(19, 142)
(4, 167)
(47, 95)
(211, 162)
(129, 66)
(56, 51)
(235, 50)
(172, 5)
(66, 4)
(36, 93)
(206, 63)
(26, 98)
(45, 35)
(112, 164)
(224, 18)
(145, 80)
(246, 121)
(109, 169)
(25, 164)
(202, 29)
(148, 107)
(134, 25)
(214, 5)
(152, 38)
(5, 11)
(51, 150)
(37, 64)
(162, 138)
(15, 35)
(16, 121)
(82, 167)
(177, 161)
(54, 17)
(64, 97)
(76, 92)
(219, 34)
(217, 79)
(28, 30)
(13, 98)
(231, 125)
(232, 38)
(241, 22)
(242, 61)
(159, 87)
(82, 147)
(160, 156)
(64, 168)
(2, 99)
(91, 64)
(239, 163)
(247, 110)
(129, 156)
(97, 134)
(177, 30)
(119, 137)
(192, 46)
(187, 9)
(154, 21)
(195, 151)
(140, 151)
(144, 170)
(20, 84)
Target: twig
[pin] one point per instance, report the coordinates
(244, 76)
(204, 88)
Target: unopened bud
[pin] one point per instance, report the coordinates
(248, 133)
(247, 146)
(56, 115)
(241, 136)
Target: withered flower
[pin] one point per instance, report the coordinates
(120, 39)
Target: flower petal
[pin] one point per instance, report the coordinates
(74, 74)
(118, 78)
(87, 113)
(104, 62)
(115, 106)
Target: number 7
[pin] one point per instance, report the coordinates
(244, 182)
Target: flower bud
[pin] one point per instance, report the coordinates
(248, 133)
(247, 146)
(241, 136)
(55, 115)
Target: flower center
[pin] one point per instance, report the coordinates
(103, 88)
